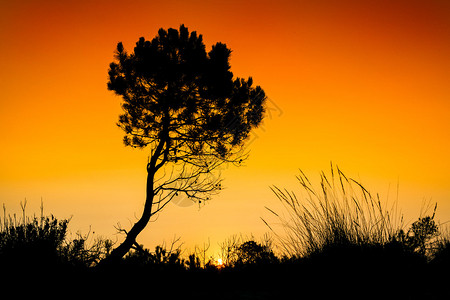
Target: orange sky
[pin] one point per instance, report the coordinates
(363, 84)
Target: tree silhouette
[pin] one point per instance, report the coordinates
(184, 104)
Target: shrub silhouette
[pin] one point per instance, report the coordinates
(441, 256)
(42, 243)
(82, 253)
(252, 253)
(159, 259)
(420, 235)
(238, 251)
(193, 262)
(33, 242)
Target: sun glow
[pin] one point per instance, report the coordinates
(219, 262)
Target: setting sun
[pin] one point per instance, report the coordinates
(219, 262)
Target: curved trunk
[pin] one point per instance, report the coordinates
(152, 168)
(130, 240)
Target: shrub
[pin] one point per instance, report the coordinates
(237, 252)
(253, 253)
(33, 242)
(161, 258)
(83, 253)
(441, 255)
(420, 237)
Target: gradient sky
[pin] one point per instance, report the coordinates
(364, 84)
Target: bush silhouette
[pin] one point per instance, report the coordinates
(251, 253)
(160, 259)
(43, 244)
(419, 237)
(33, 242)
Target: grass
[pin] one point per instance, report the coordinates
(343, 213)
(340, 212)
(348, 237)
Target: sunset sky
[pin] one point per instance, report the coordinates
(362, 84)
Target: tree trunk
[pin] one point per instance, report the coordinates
(126, 245)
(152, 168)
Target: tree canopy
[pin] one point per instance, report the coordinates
(173, 90)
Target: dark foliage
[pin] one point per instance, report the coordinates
(174, 90)
(36, 242)
(420, 236)
(253, 253)
(38, 254)
(391, 271)
(42, 245)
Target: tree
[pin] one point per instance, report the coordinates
(184, 104)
